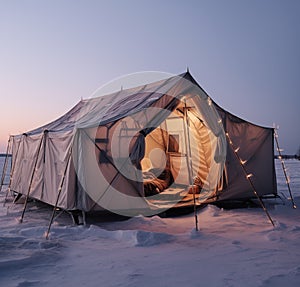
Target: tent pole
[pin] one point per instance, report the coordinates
(248, 177)
(189, 160)
(32, 176)
(5, 164)
(59, 192)
(284, 168)
(44, 161)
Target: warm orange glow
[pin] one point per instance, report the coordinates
(237, 149)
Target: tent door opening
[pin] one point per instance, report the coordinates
(177, 153)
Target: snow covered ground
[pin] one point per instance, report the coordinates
(236, 247)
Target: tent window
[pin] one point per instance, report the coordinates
(175, 127)
(173, 143)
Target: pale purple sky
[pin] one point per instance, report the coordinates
(245, 54)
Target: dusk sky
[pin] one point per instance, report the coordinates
(245, 54)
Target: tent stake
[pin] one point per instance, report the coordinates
(5, 164)
(32, 176)
(248, 177)
(59, 192)
(284, 167)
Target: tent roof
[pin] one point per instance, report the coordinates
(114, 106)
(108, 108)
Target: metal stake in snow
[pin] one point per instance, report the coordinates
(284, 168)
(248, 177)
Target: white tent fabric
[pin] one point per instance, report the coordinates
(111, 136)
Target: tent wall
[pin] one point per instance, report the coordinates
(256, 148)
(25, 153)
(46, 166)
(57, 147)
(99, 180)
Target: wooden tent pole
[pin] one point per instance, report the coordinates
(189, 161)
(5, 163)
(62, 180)
(284, 168)
(248, 177)
(32, 176)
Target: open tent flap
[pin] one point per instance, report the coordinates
(184, 145)
(151, 153)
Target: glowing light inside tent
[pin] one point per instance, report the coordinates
(237, 149)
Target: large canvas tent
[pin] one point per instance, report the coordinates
(142, 150)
